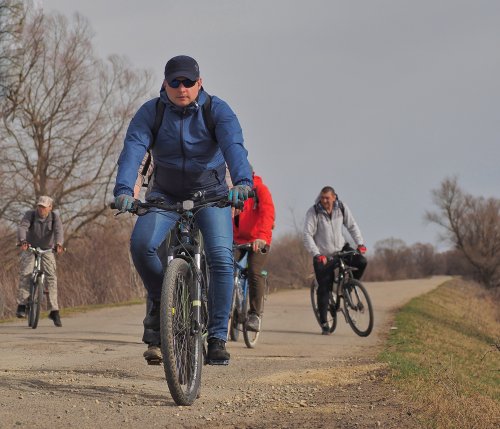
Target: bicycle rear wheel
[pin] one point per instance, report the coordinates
(358, 307)
(332, 307)
(250, 337)
(36, 296)
(181, 343)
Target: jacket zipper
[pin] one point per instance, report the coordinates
(182, 147)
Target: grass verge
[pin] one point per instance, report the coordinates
(445, 356)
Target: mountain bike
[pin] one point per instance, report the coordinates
(37, 281)
(183, 304)
(240, 301)
(357, 307)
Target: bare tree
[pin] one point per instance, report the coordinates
(472, 225)
(12, 17)
(63, 120)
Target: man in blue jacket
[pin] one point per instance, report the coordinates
(188, 158)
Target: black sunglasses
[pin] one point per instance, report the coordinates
(188, 83)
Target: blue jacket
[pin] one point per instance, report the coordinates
(185, 156)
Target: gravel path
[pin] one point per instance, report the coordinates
(90, 373)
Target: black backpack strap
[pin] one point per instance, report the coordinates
(53, 220)
(206, 111)
(160, 110)
(342, 208)
(32, 220)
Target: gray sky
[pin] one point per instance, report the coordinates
(381, 99)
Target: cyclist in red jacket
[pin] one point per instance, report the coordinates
(254, 224)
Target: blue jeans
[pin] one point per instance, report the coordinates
(216, 226)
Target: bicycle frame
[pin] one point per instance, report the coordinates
(36, 287)
(240, 272)
(37, 268)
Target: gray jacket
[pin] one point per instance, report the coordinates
(43, 233)
(323, 233)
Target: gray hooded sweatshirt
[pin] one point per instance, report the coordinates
(323, 233)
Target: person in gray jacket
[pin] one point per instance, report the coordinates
(323, 237)
(40, 228)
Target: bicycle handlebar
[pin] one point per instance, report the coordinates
(248, 246)
(141, 208)
(343, 254)
(39, 251)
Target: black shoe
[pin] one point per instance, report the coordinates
(217, 354)
(153, 355)
(152, 319)
(325, 329)
(21, 311)
(54, 315)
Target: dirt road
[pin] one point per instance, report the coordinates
(90, 373)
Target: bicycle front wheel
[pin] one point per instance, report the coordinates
(332, 307)
(181, 342)
(358, 308)
(36, 296)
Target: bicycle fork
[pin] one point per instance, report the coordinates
(196, 297)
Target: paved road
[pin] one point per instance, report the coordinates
(90, 372)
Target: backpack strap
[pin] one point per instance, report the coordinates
(206, 111)
(160, 110)
(342, 208)
(32, 220)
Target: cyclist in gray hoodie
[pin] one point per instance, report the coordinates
(323, 237)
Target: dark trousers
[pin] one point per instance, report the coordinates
(325, 276)
(256, 282)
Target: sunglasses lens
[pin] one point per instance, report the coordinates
(187, 83)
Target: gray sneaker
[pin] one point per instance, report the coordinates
(325, 329)
(253, 322)
(153, 355)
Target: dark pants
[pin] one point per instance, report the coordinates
(256, 282)
(325, 276)
(150, 336)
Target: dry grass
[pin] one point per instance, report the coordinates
(445, 355)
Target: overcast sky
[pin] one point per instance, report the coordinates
(381, 99)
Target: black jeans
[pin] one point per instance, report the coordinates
(324, 277)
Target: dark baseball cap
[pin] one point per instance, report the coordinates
(182, 65)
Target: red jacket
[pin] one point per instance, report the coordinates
(256, 220)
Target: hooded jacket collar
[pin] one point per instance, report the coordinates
(321, 209)
(191, 108)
